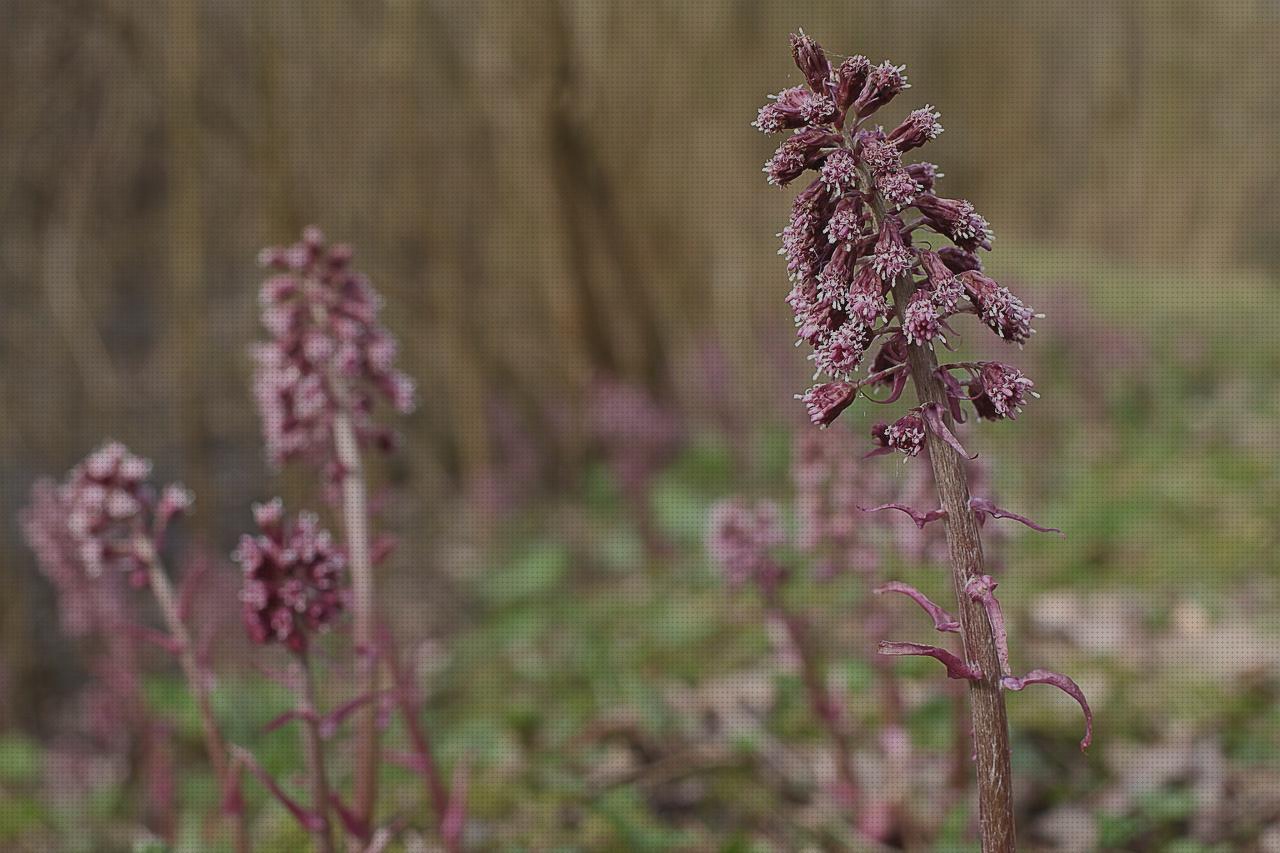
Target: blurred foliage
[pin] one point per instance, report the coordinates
(550, 190)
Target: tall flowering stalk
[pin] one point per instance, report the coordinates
(861, 285)
(106, 517)
(293, 588)
(317, 381)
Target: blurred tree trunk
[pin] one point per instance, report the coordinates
(184, 358)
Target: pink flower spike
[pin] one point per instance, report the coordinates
(983, 590)
(1063, 683)
(920, 518)
(942, 620)
(956, 668)
(983, 507)
(933, 417)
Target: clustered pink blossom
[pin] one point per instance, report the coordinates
(327, 352)
(741, 537)
(848, 241)
(636, 431)
(86, 604)
(104, 516)
(293, 577)
(850, 246)
(831, 487)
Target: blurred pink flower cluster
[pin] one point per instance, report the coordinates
(293, 577)
(327, 352)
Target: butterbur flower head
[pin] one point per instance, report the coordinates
(898, 188)
(867, 302)
(906, 435)
(818, 110)
(925, 176)
(918, 128)
(877, 153)
(784, 111)
(944, 288)
(847, 219)
(816, 321)
(892, 257)
(293, 578)
(883, 82)
(957, 219)
(741, 537)
(1003, 312)
(851, 76)
(327, 352)
(920, 321)
(840, 171)
(841, 352)
(825, 402)
(804, 149)
(114, 516)
(1000, 391)
(812, 61)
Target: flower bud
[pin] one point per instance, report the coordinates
(825, 402)
(812, 62)
(957, 219)
(892, 257)
(883, 82)
(917, 128)
(850, 78)
(783, 112)
(1000, 391)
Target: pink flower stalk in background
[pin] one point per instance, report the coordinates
(638, 435)
(740, 539)
(106, 517)
(863, 282)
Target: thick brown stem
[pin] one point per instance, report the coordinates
(313, 749)
(990, 725)
(355, 516)
(215, 746)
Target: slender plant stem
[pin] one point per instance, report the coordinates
(355, 514)
(215, 746)
(990, 723)
(313, 748)
(437, 792)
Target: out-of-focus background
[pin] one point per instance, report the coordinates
(562, 204)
